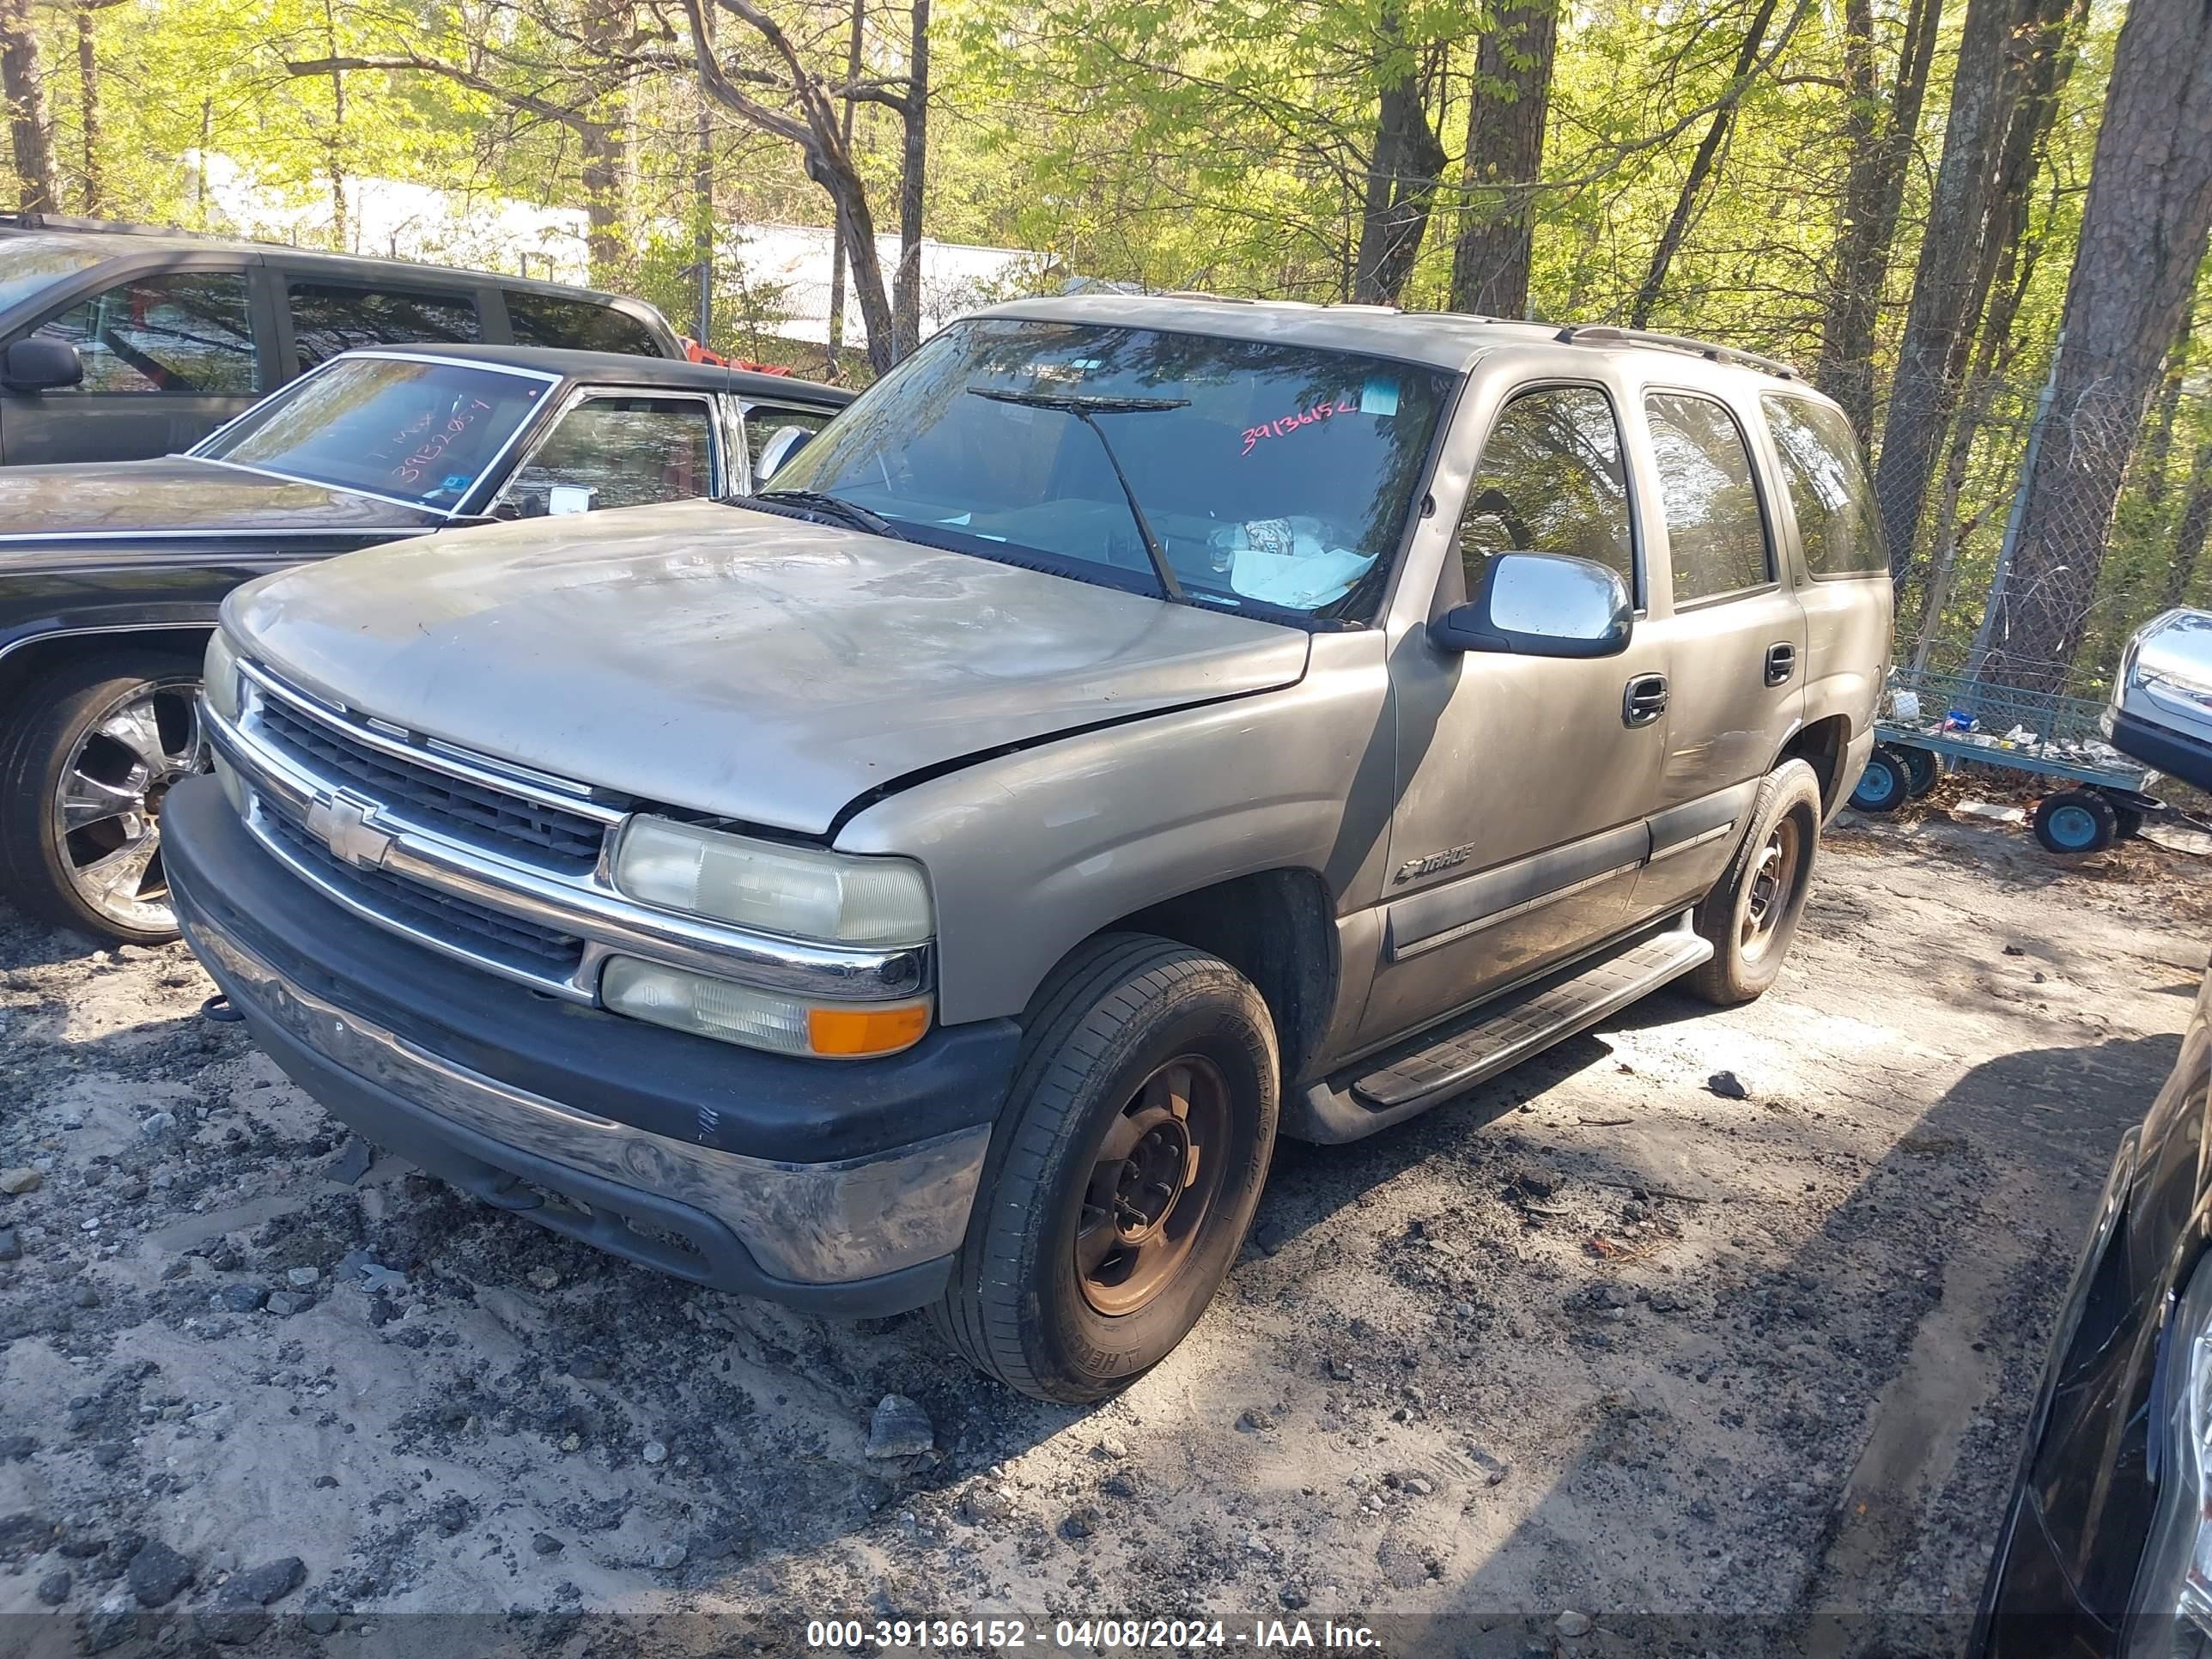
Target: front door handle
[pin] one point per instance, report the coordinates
(1644, 701)
(1781, 662)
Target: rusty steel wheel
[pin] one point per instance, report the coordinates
(1773, 879)
(1751, 915)
(1152, 1185)
(1123, 1172)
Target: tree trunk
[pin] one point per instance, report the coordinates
(1881, 142)
(1402, 175)
(22, 88)
(1921, 396)
(2189, 540)
(2158, 446)
(914, 186)
(334, 144)
(88, 80)
(1506, 116)
(1701, 166)
(604, 141)
(2144, 229)
(836, 244)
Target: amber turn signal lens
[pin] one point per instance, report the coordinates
(855, 1032)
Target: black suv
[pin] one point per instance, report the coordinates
(118, 343)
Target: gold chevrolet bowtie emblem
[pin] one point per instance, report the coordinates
(342, 823)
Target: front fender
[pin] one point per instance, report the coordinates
(1031, 853)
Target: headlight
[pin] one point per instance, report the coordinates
(2172, 1610)
(711, 1007)
(220, 676)
(797, 891)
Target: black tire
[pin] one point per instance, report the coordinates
(1886, 783)
(50, 733)
(1923, 769)
(1751, 915)
(2130, 820)
(2076, 821)
(1127, 1009)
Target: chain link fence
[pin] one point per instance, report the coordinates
(2045, 597)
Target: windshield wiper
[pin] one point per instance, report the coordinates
(821, 504)
(1085, 410)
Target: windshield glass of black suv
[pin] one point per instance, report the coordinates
(1271, 475)
(399, 428)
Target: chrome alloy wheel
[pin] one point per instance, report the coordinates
(107, 804)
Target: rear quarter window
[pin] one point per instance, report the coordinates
(1827, 486)
(548, 319)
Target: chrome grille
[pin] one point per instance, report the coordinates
(521, 945)
(558, 839)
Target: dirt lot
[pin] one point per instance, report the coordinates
(1600, 1341)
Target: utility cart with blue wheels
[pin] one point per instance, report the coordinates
(1931, 721)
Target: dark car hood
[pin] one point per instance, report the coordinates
(177, 493)
(733, 661)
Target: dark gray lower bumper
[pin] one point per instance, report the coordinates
(872, 1233)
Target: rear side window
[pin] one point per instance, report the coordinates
(547, 319)
(1714, 527)
(1551, 481)
(328, 318)
(187, 332)
(1836, 519)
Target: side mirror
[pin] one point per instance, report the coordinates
(39, 364)
(783, 443)
(1541, 605)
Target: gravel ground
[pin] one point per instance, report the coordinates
(1612, 1340)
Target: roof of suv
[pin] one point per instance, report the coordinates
(1438, 339)
(126, 242)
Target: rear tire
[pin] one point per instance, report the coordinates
(2076, 821)
(1751, 915)
(1923, 770)
(92, 752)
(1886, 783)
(1084, 1265)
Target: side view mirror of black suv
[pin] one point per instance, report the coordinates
(38, 364)
(1541, 605)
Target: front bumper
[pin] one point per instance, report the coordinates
(854, 1182)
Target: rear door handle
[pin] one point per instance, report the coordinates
(1781, 662)
(1644, 700)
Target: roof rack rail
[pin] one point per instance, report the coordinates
(1606, 333)
(32, 220)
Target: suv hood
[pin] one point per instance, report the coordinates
(735, 662)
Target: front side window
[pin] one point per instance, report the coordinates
(328, 318)
(1274, 476)
(617, 452)
(551, 319)
(187, 332)
(1836, 523)
(1715, 530)
(1551, 481)
(416, 432)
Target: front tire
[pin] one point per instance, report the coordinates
(1124, 1173)
(93, 751)
(1750, 916)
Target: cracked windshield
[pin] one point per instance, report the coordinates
(1269, 475)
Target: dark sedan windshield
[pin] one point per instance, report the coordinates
(1269, 473)
(399, 428)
